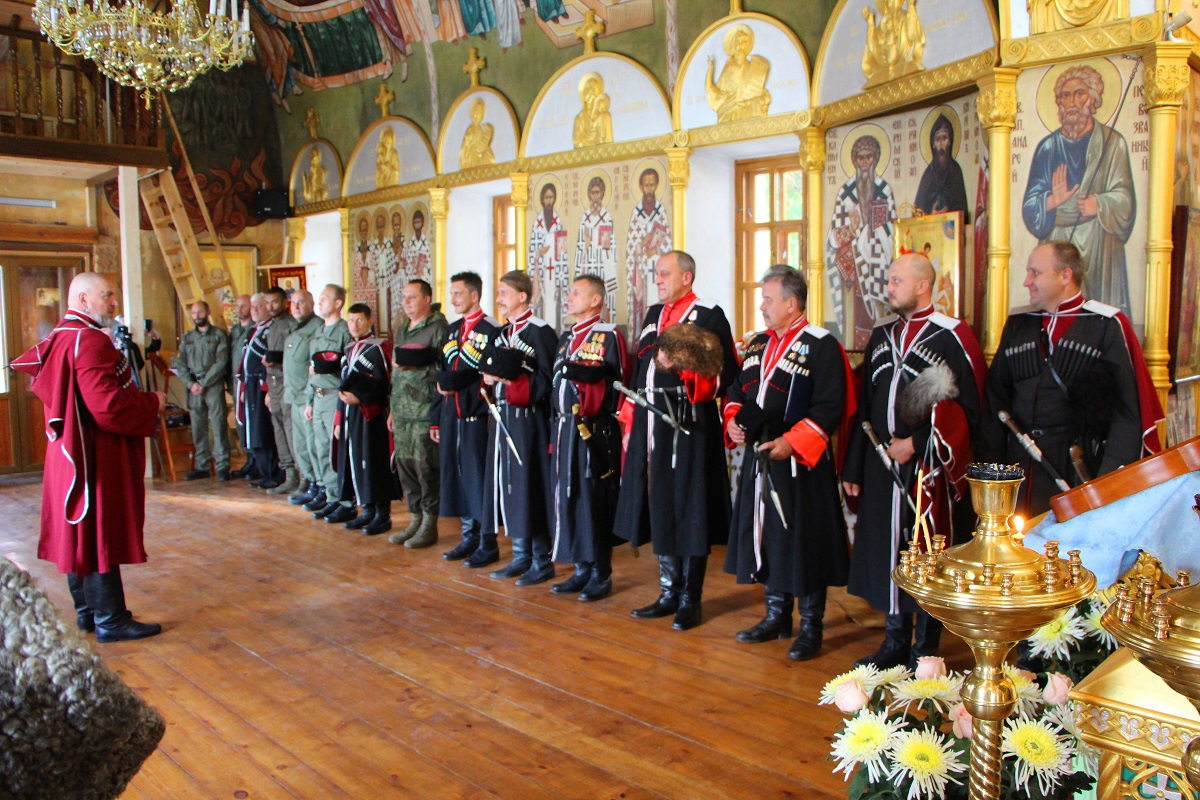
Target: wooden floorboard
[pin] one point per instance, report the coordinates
(301, 660)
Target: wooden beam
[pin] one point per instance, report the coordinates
(65, 150)
(58, 234)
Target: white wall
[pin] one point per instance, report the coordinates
(709, 227)
(322, 250)
(470, 245)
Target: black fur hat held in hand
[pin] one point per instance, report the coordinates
(453, 380)
(327, 362)
(505, 363)
(414, 355)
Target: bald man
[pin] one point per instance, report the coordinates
(295, 387)
(201, 365)
(921, 393)
(93, 495)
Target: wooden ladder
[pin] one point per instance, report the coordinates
(168, 216)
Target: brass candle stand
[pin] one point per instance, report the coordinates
(1162, 631)
(993, 592)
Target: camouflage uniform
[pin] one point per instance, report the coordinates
(296, 359)
(204, 359)
(281, 418)
(321, 395)
(412, 392)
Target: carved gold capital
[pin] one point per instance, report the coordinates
(1166, 75)
(679, 170)
(520, 188)
(439, 202)
(812, 150)
(997, 105)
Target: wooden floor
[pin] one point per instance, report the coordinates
(302, 660)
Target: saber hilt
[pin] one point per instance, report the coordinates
(1026, 441)
(646, 404)
(888, 463)
(494, 410)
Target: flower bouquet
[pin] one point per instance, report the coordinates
(908, 736)
(1075, 643)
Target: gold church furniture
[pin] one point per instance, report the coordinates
(992, 592)
(1150, 471)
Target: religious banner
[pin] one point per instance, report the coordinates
(1080, 172)
(905, 165)
(611, 221)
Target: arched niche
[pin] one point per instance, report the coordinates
(303, 166)
(954, 30)
(1016, 21)
(788, 77)
(498, 114)
(411, 146)
(638, 105)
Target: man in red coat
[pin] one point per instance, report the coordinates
(93, 497)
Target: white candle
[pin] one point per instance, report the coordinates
(212, 7)
(246, 16)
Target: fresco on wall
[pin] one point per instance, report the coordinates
(391, 244)
(926, 161)
(1080, 166)
(611, 221)
(391, 152)
(480, 129)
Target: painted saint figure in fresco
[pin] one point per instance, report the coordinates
(741, 90)
(508, 22)
(387, 160)
(386, 266)
(548, 260)
(942, 187)
(596, 245)
(858, 247)
(314, 187)
(1081, 187)
(416, 252)
(362, 277)
(476, 147)
(649, 237)
(550, 10)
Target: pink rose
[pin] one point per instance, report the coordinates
(930, 667)
(849, 697)
(962, 720)
(1057, 687)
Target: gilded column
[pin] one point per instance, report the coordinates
(347, 257)
(1166, 77)
(679, 171)
(812, 161)
(439, 207)
(295, 239)
(997, 110)
(520, 201)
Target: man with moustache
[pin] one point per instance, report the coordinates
(649, 237)
(517, 370)
(325, 351)
(858, 247)
(93, 492)
(201, 365)
(687, 474)
(585, 441)
(921, 392)
(459, 419)
(282, 324)
(942, 187)
(1080, 187)
(296, 359)
(792, 396)
(253, 412)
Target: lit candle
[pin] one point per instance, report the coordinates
(246, 16)
(212, 7)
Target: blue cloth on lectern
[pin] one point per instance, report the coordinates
(1159, 520)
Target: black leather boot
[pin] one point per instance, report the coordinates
(521, 560)
(340, 513)
(670, 586)
(811, 608)
(318, 501)
(777, 624)
(897, 643)
(363, 519)
(381, 522)
(599, 585)
(468, 545)
(106, 597)
(327, 509)
(927, 635)
(688, 614)
(575, 583)
(84, 619)
(488, 552)
(542, 568)
(310, 491)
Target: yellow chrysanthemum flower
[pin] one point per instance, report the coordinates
(865, 740)
(865, 675)
(1039, 750)
(1029, 694)
(1056, 638)
(943, 691)
(925, 757)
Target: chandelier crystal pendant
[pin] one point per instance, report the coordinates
(153, 48)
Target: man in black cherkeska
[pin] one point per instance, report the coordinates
(586, 441)
(517, 371)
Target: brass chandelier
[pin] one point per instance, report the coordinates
(149, 48)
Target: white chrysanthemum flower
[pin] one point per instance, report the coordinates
(1039, 750)
(1056, 638)
(888, 677)
(1087, 758)
(1029, 694)
(943, 691)
(925, 757)
(864, 675)
(865, 740)
(1092, 626)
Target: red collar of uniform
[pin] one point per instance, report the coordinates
(583, 327)
(791, 331)
(473, 317)
(682, 302)
(82, 316)
(1070, 304)
(919, 316)
(778, 345)
(520, 320)
(673, 312)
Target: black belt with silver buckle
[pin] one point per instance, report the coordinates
(319, 392)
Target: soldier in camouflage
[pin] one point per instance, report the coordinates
(202, 363)
(296, 359)
(321, 397)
